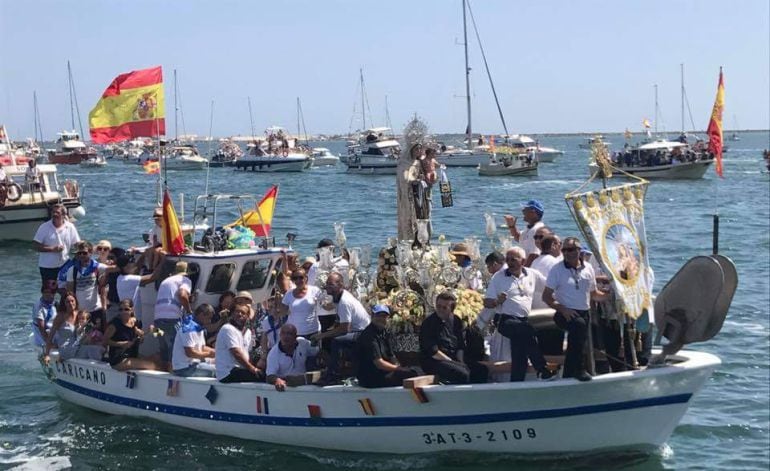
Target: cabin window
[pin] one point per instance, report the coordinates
(253, 275)
(219, 281)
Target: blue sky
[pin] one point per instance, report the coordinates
(559, 66)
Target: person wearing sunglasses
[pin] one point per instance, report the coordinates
(569, 288)
(53, 240)
(300, 304)
(532, 212)
(122, 339)
(102, 251)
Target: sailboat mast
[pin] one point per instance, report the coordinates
(468, 130)
(176, 110)
(299, 130)
(656, 110)
(387, 114)
(681, 70)
(38, 126)
(363, 94)
(251, 120)
(69, 84)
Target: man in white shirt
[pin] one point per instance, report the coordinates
(190, 347)
(232, 350)
(550, 255)
(32, 176)
(510, 294)
(53, 240)
(532, 211)
(569, 288)
(43, 315)
(173, 301)
(287, 360)
(352, 319)
(326, 315)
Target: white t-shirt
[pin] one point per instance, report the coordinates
(519, 291)
(39, 313)
(194, 340)
(87, 287)
(156, 235)
(470, 279)
(544, 262)
(282, 365)
(168, 305)
(350, 310)
(127, 286)
(229, 337)
(47, 234)
(572, 287)
(302, 313)
(32, 174)
(3, 175)
(527, 238)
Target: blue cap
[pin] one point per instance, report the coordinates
(380, 309)
(534, 204)
(586, 252)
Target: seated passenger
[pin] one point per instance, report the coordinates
(442, 345)
(43, 315)
(122, 339)
(190, 344)
(287, 359)
(269, 328)
(378, 366)
(72, 338)
(234, 341)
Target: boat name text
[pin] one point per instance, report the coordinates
(434, 438)
(81, 372)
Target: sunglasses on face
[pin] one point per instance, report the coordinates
(82, 252)
(102, 249)
(297, 277)
(125, 309)
(570, 249)
(538, 237)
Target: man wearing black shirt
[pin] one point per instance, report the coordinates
(378, 366)
(442, 345)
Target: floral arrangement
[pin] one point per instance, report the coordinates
(469, 304)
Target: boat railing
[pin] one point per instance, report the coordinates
(207, 212)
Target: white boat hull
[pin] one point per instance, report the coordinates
(685, 171)
(548, 155)
(634, 409)
(497, 170)
(325, 161)
(21, 222)
(371, 165)
(274, 164)
(463, 159)
(186, 164)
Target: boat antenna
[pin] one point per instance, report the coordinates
(74, 98)
(176, 110)
(211, 138)
(656, 110)
(301, 119)
(468, 129)
(251, 121)
(38, 126)
(486, 66)
(364, 100)
(387, 114)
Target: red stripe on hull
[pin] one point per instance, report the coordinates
(149, 128)
(135, 79)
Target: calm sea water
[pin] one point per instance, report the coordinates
(726, 426)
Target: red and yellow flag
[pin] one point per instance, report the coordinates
(173, 240)
(714, 130)
(152, 166)
(265, 209)
(132, 106)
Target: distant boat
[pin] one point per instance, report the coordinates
(323, 157)
(70, 149)
(278, 152)
(664, 160)
(522, 165)
(589, 142)
(377, 154)
(521, 144)
(97, 161)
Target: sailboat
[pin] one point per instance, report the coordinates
(376, 151)
(181, 155)
(734, 136)
(70, 148)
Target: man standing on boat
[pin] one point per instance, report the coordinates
(173, 301)
(569, 288)
(53, 240)
(232, 350)
(532, 211)
(510, 294)
(378, 366)
(85, 277)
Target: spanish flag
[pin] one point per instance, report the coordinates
(265, 209)
(152, 166)
(714, 130)
(132, 106)
(173, 241)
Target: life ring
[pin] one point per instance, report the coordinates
(285, 152)
(13, 191)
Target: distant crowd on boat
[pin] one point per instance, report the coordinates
(652, 155)
(306, 325)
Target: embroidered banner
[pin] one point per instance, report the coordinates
(612, 222)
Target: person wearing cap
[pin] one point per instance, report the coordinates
(569, 288)
(532, 211)
(471, 278)
(173, 301)
(287, 360)
(245, 298)
(510, 293)
(377, 364)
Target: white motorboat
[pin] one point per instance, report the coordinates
(376, 154)
(27, 206)
(589, 142)
(509, 165)
(323, 157)
(464, 157)
(278, 152)
(664, 160)
(183, 157)
(96, 161)
(70, 149)
(521, 144)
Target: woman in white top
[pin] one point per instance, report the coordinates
(300, 304)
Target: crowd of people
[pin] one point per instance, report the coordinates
(304, 326)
